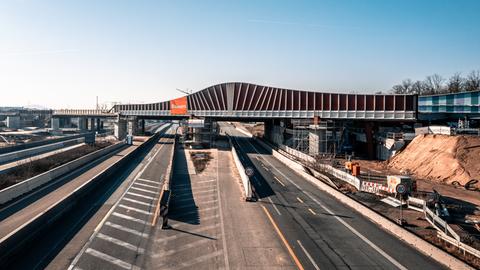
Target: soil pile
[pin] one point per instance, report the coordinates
(441, 158)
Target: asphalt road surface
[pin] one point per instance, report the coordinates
(322, 232)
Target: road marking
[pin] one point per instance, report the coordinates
(148, 181)
(145, 190)
(192, 205)
(145, 185)
(129, 208)
(300, 200)
(140, 195)
(129, 218)
(195, 261)
(110, 259)
(176, 236)
(125, 229)
(375, 247)
(274, 206)
(308, 255)
(290, 250)
(110, 212)
(190, 188)
(137, 202)
(278, 180)
(311, 211)
(194, 212)
(195, 193)
(182, 248)
(120, 243)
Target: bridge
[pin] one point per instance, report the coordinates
(245, 100)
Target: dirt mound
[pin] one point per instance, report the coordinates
(441, 158)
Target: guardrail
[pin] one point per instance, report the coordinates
(17, 155)
(30, 184)
(247, 186)
(22, 236)
(444, 231)
(39, 143)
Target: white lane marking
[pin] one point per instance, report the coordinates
(300, 200)
(191, 188)
(274, 206)
(129, 208)
(129, 218)
(278, 180)
(176, 236)
(125, 229)
(192, 184)
(195, 261)
(308, 255)
(195, 193)
(311, 211)
(194, 211)
(145, 185)
(137, 176)
(140, 195)
(224, 240)
(148, 181)
(182, 248)
(110, 259)
(120, 243)
(145, 190)
(176, 208)
(136, 201)
(192, 198)
(361, 236)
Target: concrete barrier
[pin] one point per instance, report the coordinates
(247, 186)
(30, 184)
(12, 244)
(413, 240)
(13, 156)
(40, 143)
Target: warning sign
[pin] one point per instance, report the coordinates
(178, 106)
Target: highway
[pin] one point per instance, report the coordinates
(56, 237)
(321, 232)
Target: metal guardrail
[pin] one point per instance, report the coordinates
(444, 231)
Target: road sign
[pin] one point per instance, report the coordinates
(401, 189)
(249, 171)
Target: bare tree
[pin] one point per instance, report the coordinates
(434, 84)
(404, 88)
(472, 82)
(455, 84)
(418, 88)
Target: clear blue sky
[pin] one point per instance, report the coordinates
(64, 53)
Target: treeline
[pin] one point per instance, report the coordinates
(436, 84)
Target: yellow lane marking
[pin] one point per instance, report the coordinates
(300, 200)
(311, 211)
(290, 250)
(278, 180)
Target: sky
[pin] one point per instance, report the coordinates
(65, 53)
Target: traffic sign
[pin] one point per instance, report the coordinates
(401, 189)
(249, 171)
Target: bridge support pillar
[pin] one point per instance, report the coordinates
(120, 129)
(132, 126)
(274, 131)
(369, 129)
(92, 124)
(142, 126)
(82, 124)
(98, 127)
(55, 124)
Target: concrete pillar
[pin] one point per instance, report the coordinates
(369, 129)
(82, 124)
(13, 122)
(92, 124)
(55, 123)
(120, 129)
(133, 126)
(142, 126)
(98, 124)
